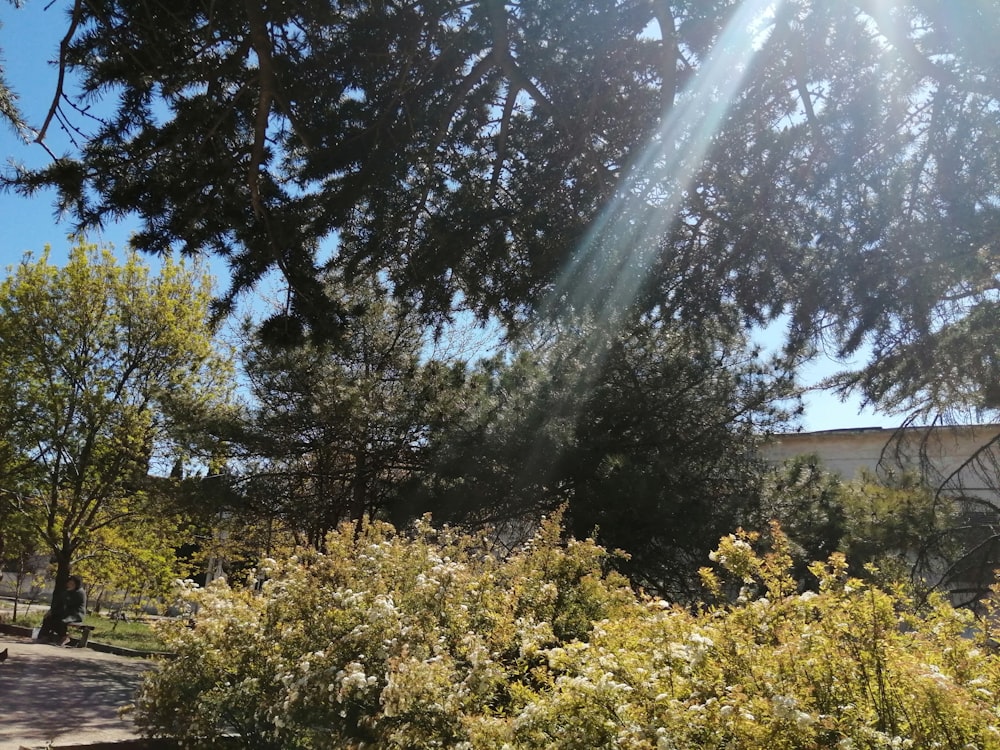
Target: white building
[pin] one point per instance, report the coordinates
(959, 462)
(958, 459)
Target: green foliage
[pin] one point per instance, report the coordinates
(19, 539)
(900, 527)
(808, 502)
(836, 161)
(648, 436)
(104, 366)
(137, 559)
(430, 641)
(18, 529)
(336, 427)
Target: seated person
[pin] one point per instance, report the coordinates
(71, 606)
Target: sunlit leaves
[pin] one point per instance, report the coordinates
(427, 639)
(101, 358)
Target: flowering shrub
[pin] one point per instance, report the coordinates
(429, 641)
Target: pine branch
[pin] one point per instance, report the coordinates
(671, 53)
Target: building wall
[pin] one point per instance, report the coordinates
(951, 457)
(961, 462)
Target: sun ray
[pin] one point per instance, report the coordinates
(611, 264)
(596, 289)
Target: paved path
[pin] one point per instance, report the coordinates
(66, 696)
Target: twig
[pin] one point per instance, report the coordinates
(63, 49)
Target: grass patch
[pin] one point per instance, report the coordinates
(134, 635)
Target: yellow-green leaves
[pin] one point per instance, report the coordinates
(427, 640)
(103, 361)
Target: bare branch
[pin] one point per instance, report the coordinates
(262, 47)
(60, 82)
(501, 52)
(467, 84)
(508, 111)
(671, 52)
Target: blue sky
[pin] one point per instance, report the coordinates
(29, 40)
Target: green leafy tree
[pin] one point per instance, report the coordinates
(809, 503)
(496, 462)
(963, 494)
(664, 457)
(134, 564)
(835, 162)
(20, 541)
(99, 357)
(896, 524)
(904, 529)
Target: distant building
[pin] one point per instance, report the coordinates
(960, 462)
(953, 458)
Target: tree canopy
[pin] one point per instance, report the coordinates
(99, 358)
(335, 428)
(832, 162)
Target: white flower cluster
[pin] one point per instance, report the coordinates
(407, 642)
(693, 651)
(352, 678)
(785, 707)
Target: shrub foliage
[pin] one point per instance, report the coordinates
(428, 640)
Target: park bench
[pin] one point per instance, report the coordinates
(84, 632)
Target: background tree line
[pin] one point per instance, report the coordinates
(136, 450)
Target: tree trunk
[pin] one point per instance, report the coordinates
(22, 573)
(121, 610)
(360, 489)
(64, 556)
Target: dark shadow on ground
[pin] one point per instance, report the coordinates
(65, 696)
